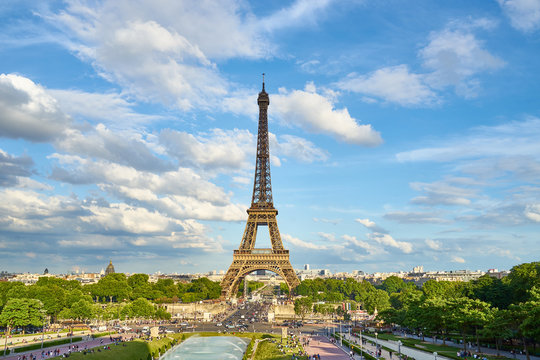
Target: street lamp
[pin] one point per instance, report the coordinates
(361, 342)
(376, 346)
(399, 348)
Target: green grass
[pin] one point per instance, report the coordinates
(443, 350)
(46, 344)
(135, 350)
(267, 350)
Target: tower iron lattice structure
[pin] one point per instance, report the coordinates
(247, 258)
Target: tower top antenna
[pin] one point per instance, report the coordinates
(263, 80)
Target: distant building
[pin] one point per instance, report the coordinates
(110, 269)
(306, 267)
(46, 271)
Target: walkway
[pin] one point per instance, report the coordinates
(328, 351)
(417, 354)
(88, 344)
(472, 348)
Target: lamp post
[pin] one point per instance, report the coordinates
(399, 348)
(361, 343)
(376, 346)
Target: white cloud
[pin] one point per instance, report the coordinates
(301, 243)
(442, 193)
(300, 12)
(296, 147)
(27, 111)
(455, 55)
(13, 169)
(532, 212)
(123, 148)
(110, 108)
(316, 113)
(122, 217)
(225, 150)
(367, 247)
(392, 84)
(457, 259)
(388, 240)
(488, 151)
(366, 222)
(433, 244)
(524, 14)
(327, 236)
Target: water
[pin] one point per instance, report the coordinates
(209, 348)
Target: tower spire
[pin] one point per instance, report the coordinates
(263, 83)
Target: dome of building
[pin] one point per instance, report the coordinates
(110, 269)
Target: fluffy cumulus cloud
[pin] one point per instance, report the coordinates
(524, 14)
(452, 57)
(316, 113)
(27, 111)
(532, 212)
(124, 148)
(381, 236)
(166, 53)
(392, 84)
(433, 244)
(110, 108)
(298, 243)
(388, 240)
(455, 56)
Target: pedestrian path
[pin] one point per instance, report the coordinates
(417, 354)
(82, 345)
(472, 347)
(320, 345)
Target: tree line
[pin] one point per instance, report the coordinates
(113, 297)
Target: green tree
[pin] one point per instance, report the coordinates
(434, 313)
(112, 286)
(393, 284)
(303, 306)
(377, 299)
(490, 290)
(140, 308)
(21, 313)
(468, 315)
(442, 289)
(53, 298)
(82, 310)
(522, 279)
(499, 328)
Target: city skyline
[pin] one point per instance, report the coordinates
(399, 136)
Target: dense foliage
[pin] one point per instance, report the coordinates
(115, 296)
(490, 308)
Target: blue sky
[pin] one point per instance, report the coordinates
(401, 134)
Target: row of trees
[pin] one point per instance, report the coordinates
(114, 297)
(336, 291)
(486, 308)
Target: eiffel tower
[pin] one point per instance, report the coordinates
(261, 213)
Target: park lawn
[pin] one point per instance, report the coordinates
(134, 350)
(267, 350)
